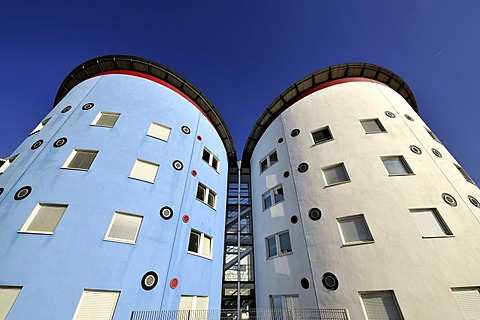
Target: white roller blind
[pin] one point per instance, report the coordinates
(97, 305)
(202, 303)
(207, 247)
(395, 166)
(107, 119)
(372, 126)
(381, 306)
(354, 229)
(45, 218)
(159, 131)
(185, 303)
(143, 170)
(469, 300)
(124, 227)
(428, 222)
(8, 295)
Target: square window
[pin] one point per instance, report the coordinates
(144, 171)
(8, 295)
(268, 161)
(322, 135)
(469, 300)
(209, 158)
(381, 305)
(272, 197)
(124, 227)
(465, 174)
(96, 304)
(397, 166)
(40, 126)
(44, 218)
(159, 131)
(106, 119)
(372, 126)
(200, 244)
(5, 163)
(278, 244)
(206, 195)
(430, 223)
(80, 159)
(354, 230)
(335, 174)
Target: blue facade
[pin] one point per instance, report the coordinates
(54, 269)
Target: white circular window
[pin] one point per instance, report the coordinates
(186, 130)
(166, 213)
(390, 114)
(149, 280)
(448, 198)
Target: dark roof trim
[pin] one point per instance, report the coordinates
(317, 81)
(107, 64)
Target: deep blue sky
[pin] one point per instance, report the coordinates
(243, 54)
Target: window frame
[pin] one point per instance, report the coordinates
(152, 124)
(447, 232)
(268, 160)
(211, 157)
(72, 156)
(460, 300)
(340, 164)
(119, 240)
(13, 298)
(279, 252)
(35, 212)
(201, 243)
(378, 123)
(271, 194)
(403, 161)
(83, 297)
(206, 196)
(327, 128)
(286, 311)
(356, 242)
(131, 175)
(391, 293)
(106, 113)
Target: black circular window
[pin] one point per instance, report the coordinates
(294, 219)
(22, 193)
(474, 201)
(448, 198)
(149, 280)
(436, 152)
(303, 167)
(36, 145)
(60, 142)
(415, 149)
(166, 213)
(315, 214)
(390, 114)
(177, 165)
(280, 140)
(408, 117)
(185, 129)
(87, 106)
(295, 132)
(66, 109)
(1, 191)
(305, 283)
(330, 281)
(286, 174)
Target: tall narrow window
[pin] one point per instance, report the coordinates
(268, 161)
(335, 174)
(322, 135)
(144, 171)
(5, 163)
(430, 223)
(464, 174)
(397, 166)
(106, 119)
(206, 195)
(44, 218)
(124, 227)
(40, 126)
(8, 295)
(200, 244)
(285, 307)
(469, 300)
(80, 159)
(209, 158)
(354, 230)
(372, 126)
(272, 197)
(278, 244)
(381, 305)
(159, 131)
(96, 304)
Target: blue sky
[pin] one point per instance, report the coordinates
(243, 54)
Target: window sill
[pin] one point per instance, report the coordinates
(119, 241)
(357, 243)
(35, 232)
(133, 178)
(214, 208)
(401, 174)
(439, 236)
(99, 125)
(265, 209)
(280, 255)
(199, 255)
(337, 183)
(376, 132)
(76, 169)
(157, 138)
(321, 142)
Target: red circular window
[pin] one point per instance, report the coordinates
(186, 218)
(199, 138)
(174, 283)
(194, 173)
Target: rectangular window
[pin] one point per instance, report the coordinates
(159, 131)
(430, 223)
(268, 161)
(285, 307)
(381, 305)
(44, 218)
(200, 243)
(397, 166)
(272, 197)
(80, 159)
(354, 230)
(206, 195)
(96, 304)
(464, 174)
(8, 295)
(209, 158)
(434, 137)
(335, 174)
(322, 135)
(40, 126)
(193, 307)
(372, 126)
(278, 244)
(124, 227)
(106, 119)
(5, 163)
(469, 300)
(144, 171)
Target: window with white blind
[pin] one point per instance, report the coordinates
(80, 159)
(106, 119)
(192, 307)
(96, 304)
(469, 300)
(124, 227)
(372, 126)
(206, 195)
(5, 163)
(159, 131)
(44, 218)
(430, 223)
(354, 230)
(381, 305)
(8, 295)
(397, 166)
(201, 244)
(40, 126)
(335, 174)
(285, 306)
(144, 171)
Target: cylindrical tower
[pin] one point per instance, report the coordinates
(358, 205)
(116, 201)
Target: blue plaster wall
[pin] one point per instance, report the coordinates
(55, 269)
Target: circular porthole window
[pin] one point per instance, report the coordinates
(408, 117)
(295, 132)
(315, 214)
(36, 145)
(474, 201)
(415, 149)
(303, 167)
(87, 106)
(149, 280)
(294, 219)
(66, 109)
(305, 283)
(177, 165)
(330, 281)
(166, 213)
(280, 140)
(436, 152)
(390, 114)
(1, 191)
(186, 130)
(174, 283)
(60, 142)
(286, 174)
(22, 193)
(448, 198)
